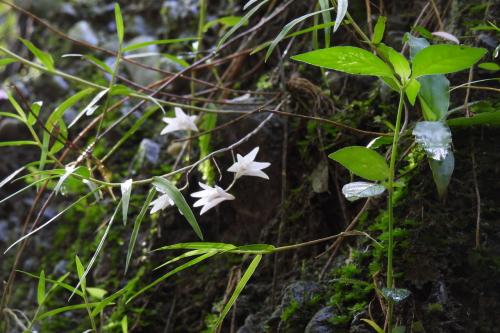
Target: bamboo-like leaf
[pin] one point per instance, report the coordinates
(378, 32)
(373, 325)
(173, 272)
(158, 42)
(18, 143)
(79, 271)
(177, 197)
(137, 225)
(40, 292)
(182, 256)
(119, 23)
(90, 108)
(124, 324)
(97, 293)
(7, 179)
(289, 27)
(54, 312)
(44, 57)
(341, 12)
(107, 301)
(243, 21)
(327, 18)
(35, 111)
(237, 291)
(126, 189)
(57, 282)
(7, 61)
(199, 246)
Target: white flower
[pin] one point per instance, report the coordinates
(181, 122)
(246, 166)
(210, 197)
(162, 202)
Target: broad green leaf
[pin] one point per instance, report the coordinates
(378, 33)
(485, 118)
(242, 22)
(173, 272)
(442, 172)
(341, 12)
(397, 60)
(97, 293)
(237, 291)
(157, 42)
(444, 59)
(412, 90)
(137, 225)
(119, 23)
(363, 162)
(199, 246)
(287, 29)
(357, 190)
(373, 325)
(177, 197)
(7, 61)
(126, 189)
(44, 57)
(489, 66)
(348, 59)
(18, 143)
(54, 312)
(40, 292)
(434, 96)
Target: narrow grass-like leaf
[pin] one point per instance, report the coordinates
(79, 271)
(90, 108)
(124, 324)
(182, 256)
(7, 61)
(327, 18)
(52, 219)
(289, 27)
(44, 57)
(254, 249)
(97, 293)
(40, 291)
(177, 197)
(137, 226)
(341, 12)
(485, 118)
(107, 301)
(35, 111)
(249, 4)
(18, 143)
(173, 272)
(158, 42)
(11, 115)
(25, 188)
(17, 107)
(199, 246)
(119, 23)
(237, 291)
(373, 325)
(7, 179)
(126, 189)
(242, 22)
(227, 21)
(54, 312)
(57, 282)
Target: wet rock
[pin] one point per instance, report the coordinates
(12, 130)
(138, 74)
(83, 31)
(149, 151)
(320, 322)
(139, 26)
(253, 324)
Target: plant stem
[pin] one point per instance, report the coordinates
(390, 207)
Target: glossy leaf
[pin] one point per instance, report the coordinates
(434, 96)
(397, 60)
(412, 90)
(442, 172)
(489, 66)
(444, 59)
(363, 162)
(357, 190)
(348, 59)
(177, 197)
(119, 23)
(485, 118)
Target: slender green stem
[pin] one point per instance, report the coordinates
(390, 207)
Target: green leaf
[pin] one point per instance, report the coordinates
(289, 27)
(119, 23)
(18, 143)
(79, 271)
(373, 325)
(442, 172)
(173, 272)
(254, 249)
(96, 293)
(444, 59)
(99, 63)
(348, 59)
(199, 246)
(181, 62)
(434, 96)
(327, 18)
(126, 189)
(489, 66)
(107, 301)
(44, 57)
(137, 225)
(412, 90)
(17, 107)
(242, 22)
(177, 197)
(35, 111)
(187, 254)
(378, 33)
(40, 292)
(237, 291)
(7, 61)
(227, 21)
(158, 42)
(58, 283)
(485, 118)
(363, 162)
(124, 324)
(397, 60)
(52, 313)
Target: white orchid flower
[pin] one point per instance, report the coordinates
(181, 122)
(160, 203)
(246, 165)
(210, 197)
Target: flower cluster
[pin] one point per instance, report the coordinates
(209, 196)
